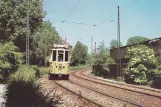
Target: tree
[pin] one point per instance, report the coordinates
(101, 60)
(10, 59)
(102, 56)
(89, 59)
(113, 44)
(136, 39)
(79, 54)
(45, 37)
(141, 66)
(13, 20)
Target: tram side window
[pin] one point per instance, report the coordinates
(66, 56)
(54, 55)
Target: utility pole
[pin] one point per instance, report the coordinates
(45, 53)
(118, 45)
(91, 44)
(27, 40)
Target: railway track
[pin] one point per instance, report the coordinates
(98, 89)
(77, 94)
(118, 98)
(128, 103)
(143, 90)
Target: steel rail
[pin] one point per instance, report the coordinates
(121, 99)
(78, 95)
(157, 96)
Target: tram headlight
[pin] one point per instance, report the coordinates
(60, 65)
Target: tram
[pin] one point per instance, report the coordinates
(59, 62)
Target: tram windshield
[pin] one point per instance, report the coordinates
(60, 56)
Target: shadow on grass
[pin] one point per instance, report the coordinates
(21, 94)
(23, 90)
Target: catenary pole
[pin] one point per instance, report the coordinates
(118, 46)
(27, 40)
(119, 54)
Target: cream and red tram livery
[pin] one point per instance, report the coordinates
(59, 62)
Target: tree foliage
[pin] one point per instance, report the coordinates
(141, 66)
(136, 39)
(89, 59)
(102, 57)
(113, 44)
(79, 54)
(10, 58)
(13, 20)
(13, 27)
(100, 60)
(45, 37)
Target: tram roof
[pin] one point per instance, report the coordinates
(60, 49)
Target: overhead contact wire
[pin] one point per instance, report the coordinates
(69, 14)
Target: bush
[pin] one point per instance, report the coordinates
(142, 63)
(156, 76)
(37, 70)
(23, 91)
(99, 71)
(101, 60)
(10, 59)
(44, 70)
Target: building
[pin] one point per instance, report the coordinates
(154, 44)
(64, 42)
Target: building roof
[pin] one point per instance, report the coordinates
(65, 42)
(145, 42)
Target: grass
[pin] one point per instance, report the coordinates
(80, 67)
(45, 70)
(23, 89)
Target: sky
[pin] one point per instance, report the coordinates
(142, 18)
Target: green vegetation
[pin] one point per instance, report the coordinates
(136, 39)
(13, 20)
(80, 67)
(45, 37)
(141, 60)
(11, 59)
(79, 54)
(23, 91)
(113, 44)
(44, 70)
(100, 61)
(13, 28)
(142, 67)
(13, 35)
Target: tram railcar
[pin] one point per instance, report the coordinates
(59, 62)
